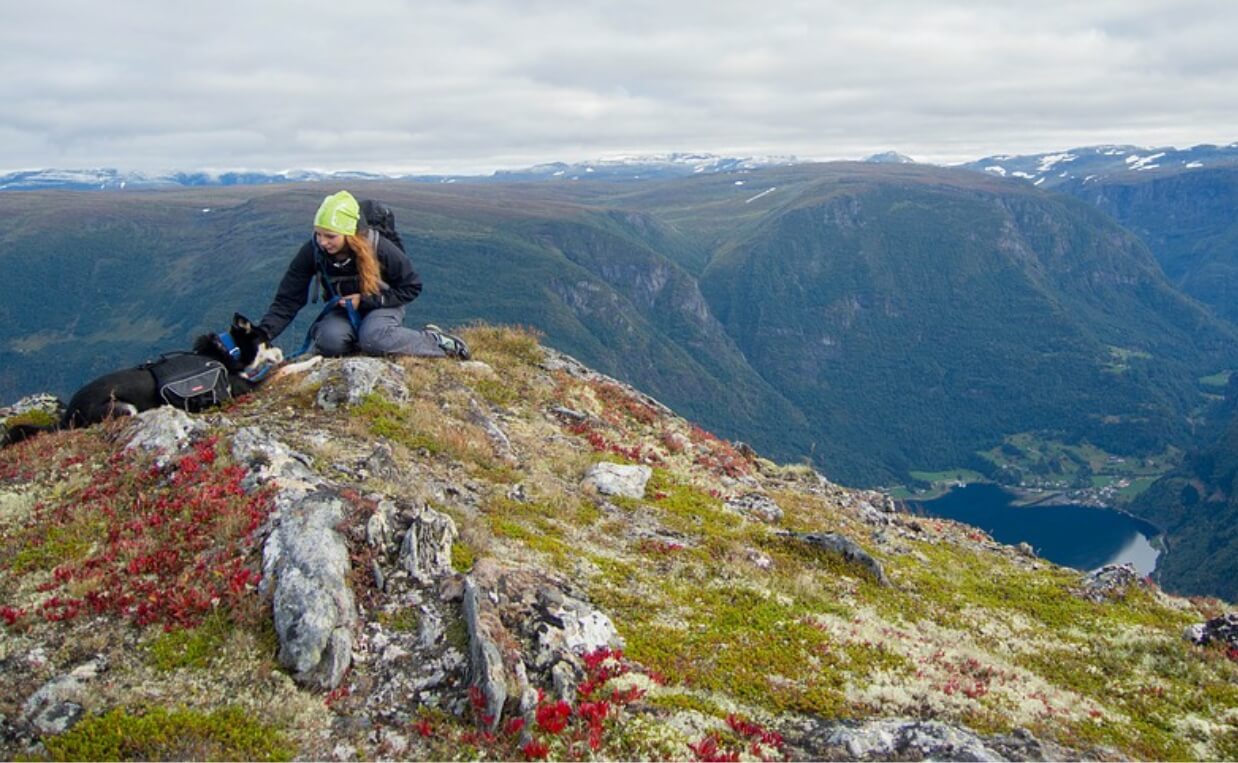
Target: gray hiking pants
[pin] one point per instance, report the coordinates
(382, 333)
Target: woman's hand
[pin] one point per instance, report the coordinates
(355, 299)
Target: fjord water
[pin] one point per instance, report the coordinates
(1083, 537)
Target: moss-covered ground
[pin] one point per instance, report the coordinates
(157, 567)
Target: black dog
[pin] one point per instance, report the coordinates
(242, 351)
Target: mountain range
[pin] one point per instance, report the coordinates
(1102, 164)
(1090, 164)
(625, 168)
(879, 318)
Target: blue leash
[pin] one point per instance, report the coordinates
(332, 303)
(353, 317)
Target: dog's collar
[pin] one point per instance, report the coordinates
(229, 344)
(257, 374)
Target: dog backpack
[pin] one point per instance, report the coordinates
(190, 382)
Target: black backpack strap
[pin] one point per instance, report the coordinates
(324, 288)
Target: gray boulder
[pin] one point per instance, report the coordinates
(848, 549)
(347, 382)
(620, 480)
(895, 739)
(426, 551)
(164, 429)
(1107, 581)
(1223, 630)
(305, 565)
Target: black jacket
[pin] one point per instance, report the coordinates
(399, 285)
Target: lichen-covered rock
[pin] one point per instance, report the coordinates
(623, 480)
(268, 459)
(1222, 630)
(346, 382)
(382, 463)
(426, 551)
(756, 505)
(379, 527)
(848, 549)
(305, 565)
(895, 739)
(164, 429)
(1107, 581)
(486, 669)
(570, 626)
(56, 706)
(38, 410)
(44, 402)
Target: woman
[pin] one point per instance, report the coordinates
(367, 279)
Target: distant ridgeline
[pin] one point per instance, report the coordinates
(1180, 202)
(876, 318)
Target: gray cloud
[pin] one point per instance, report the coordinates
(474, 85)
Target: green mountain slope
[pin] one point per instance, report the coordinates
(911, 318)
(1198, 507)
(1186, 217)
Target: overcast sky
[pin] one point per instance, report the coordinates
(475, 85)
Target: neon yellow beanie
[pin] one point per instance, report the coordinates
(339, 213)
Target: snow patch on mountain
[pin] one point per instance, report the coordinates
(1095, 163)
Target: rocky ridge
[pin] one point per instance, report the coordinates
(518, 558)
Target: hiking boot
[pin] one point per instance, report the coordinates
(453, 346)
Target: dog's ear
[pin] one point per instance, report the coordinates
(241, 323)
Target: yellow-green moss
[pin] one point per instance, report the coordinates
(190, 648)
(512, 344)
(457, 634)
(496, 391)
(689, 509)
(391, 420)
(462, 557)
(537, 525)
(33, 417)
(677, 701)
(757, 649)
(495, 472)
(402, 620)
(159, 734)
(57, 545)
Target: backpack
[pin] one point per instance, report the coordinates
(379, 217)
(190, 381)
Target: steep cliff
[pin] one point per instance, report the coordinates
(1186, 217)
(518, 558)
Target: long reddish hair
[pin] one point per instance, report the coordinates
(367, 263)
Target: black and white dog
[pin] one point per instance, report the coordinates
(243, 352)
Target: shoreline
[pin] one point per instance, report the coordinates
(1029, 498)
(1033, 498)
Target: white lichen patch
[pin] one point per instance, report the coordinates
(15, 506)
